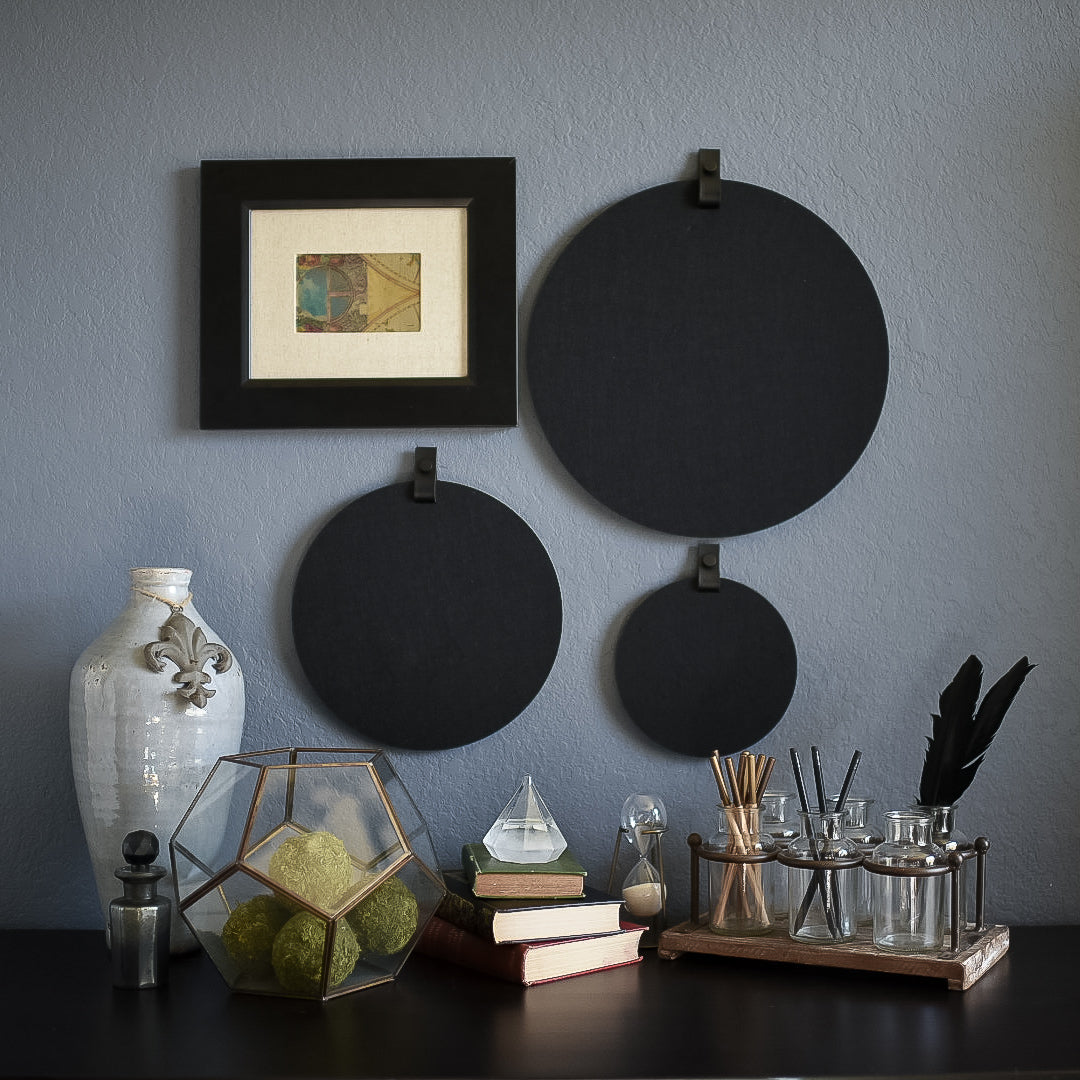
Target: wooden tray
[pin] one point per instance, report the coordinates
(977, 954)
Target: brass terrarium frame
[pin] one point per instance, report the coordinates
(291, 760)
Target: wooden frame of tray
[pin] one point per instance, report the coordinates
(978, 952)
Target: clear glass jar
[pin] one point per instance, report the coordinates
(950, 838)
(779, 819)
(867, 835)
(823, 880)
(740, 858)
(910, 884)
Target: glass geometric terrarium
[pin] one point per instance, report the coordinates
(305, 872)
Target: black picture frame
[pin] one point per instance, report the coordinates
(485, 395)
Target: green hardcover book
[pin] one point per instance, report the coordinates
(490, 877)
(505, 921)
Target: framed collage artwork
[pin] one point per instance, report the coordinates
(358, 293)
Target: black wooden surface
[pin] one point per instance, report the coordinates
(696, 1016)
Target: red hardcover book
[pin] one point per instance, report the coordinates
(529, 963)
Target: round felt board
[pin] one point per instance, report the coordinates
(701, 670)
(707, 371)
(426, 625)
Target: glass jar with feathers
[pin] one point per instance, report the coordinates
(962, 731)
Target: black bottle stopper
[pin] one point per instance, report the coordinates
(139, 920)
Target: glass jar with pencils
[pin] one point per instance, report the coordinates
(740, 853)
(822, 863)
(740, 858)
(823, 880)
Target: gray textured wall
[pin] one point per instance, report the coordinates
(940, 140)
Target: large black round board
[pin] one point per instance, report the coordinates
(699, 671)
(426, 625)
(707, 371)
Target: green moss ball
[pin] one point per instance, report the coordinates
(314, 866)
(298, 954)
(385, 920)
(249, 932)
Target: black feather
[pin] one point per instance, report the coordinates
(961, 735)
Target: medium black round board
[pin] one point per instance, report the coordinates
(707, 371)
(699, 671)
(426, 625)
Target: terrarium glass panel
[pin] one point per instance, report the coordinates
(410, 820)
(387, 919)
(206, 843)
(349, 801)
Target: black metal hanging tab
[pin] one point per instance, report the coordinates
(709, 178)
(708, 564)
(424, 474)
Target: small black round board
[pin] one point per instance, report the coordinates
(701, 670)
(426, 625)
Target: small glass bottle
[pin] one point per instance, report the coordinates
(909, 901)
(780, 821)
(867, 835)
(740, 855)
(823, 880)
(950, 838)
(139, 920)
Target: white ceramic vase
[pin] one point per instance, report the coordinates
(155, 701)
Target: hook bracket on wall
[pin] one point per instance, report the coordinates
(425, 474)
(708, 567)
(709, 178)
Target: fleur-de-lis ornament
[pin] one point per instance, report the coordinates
(184, 643)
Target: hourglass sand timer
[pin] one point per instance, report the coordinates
(643, 824)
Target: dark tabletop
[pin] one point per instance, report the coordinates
(696, 1016)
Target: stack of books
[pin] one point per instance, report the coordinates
(528, 922)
